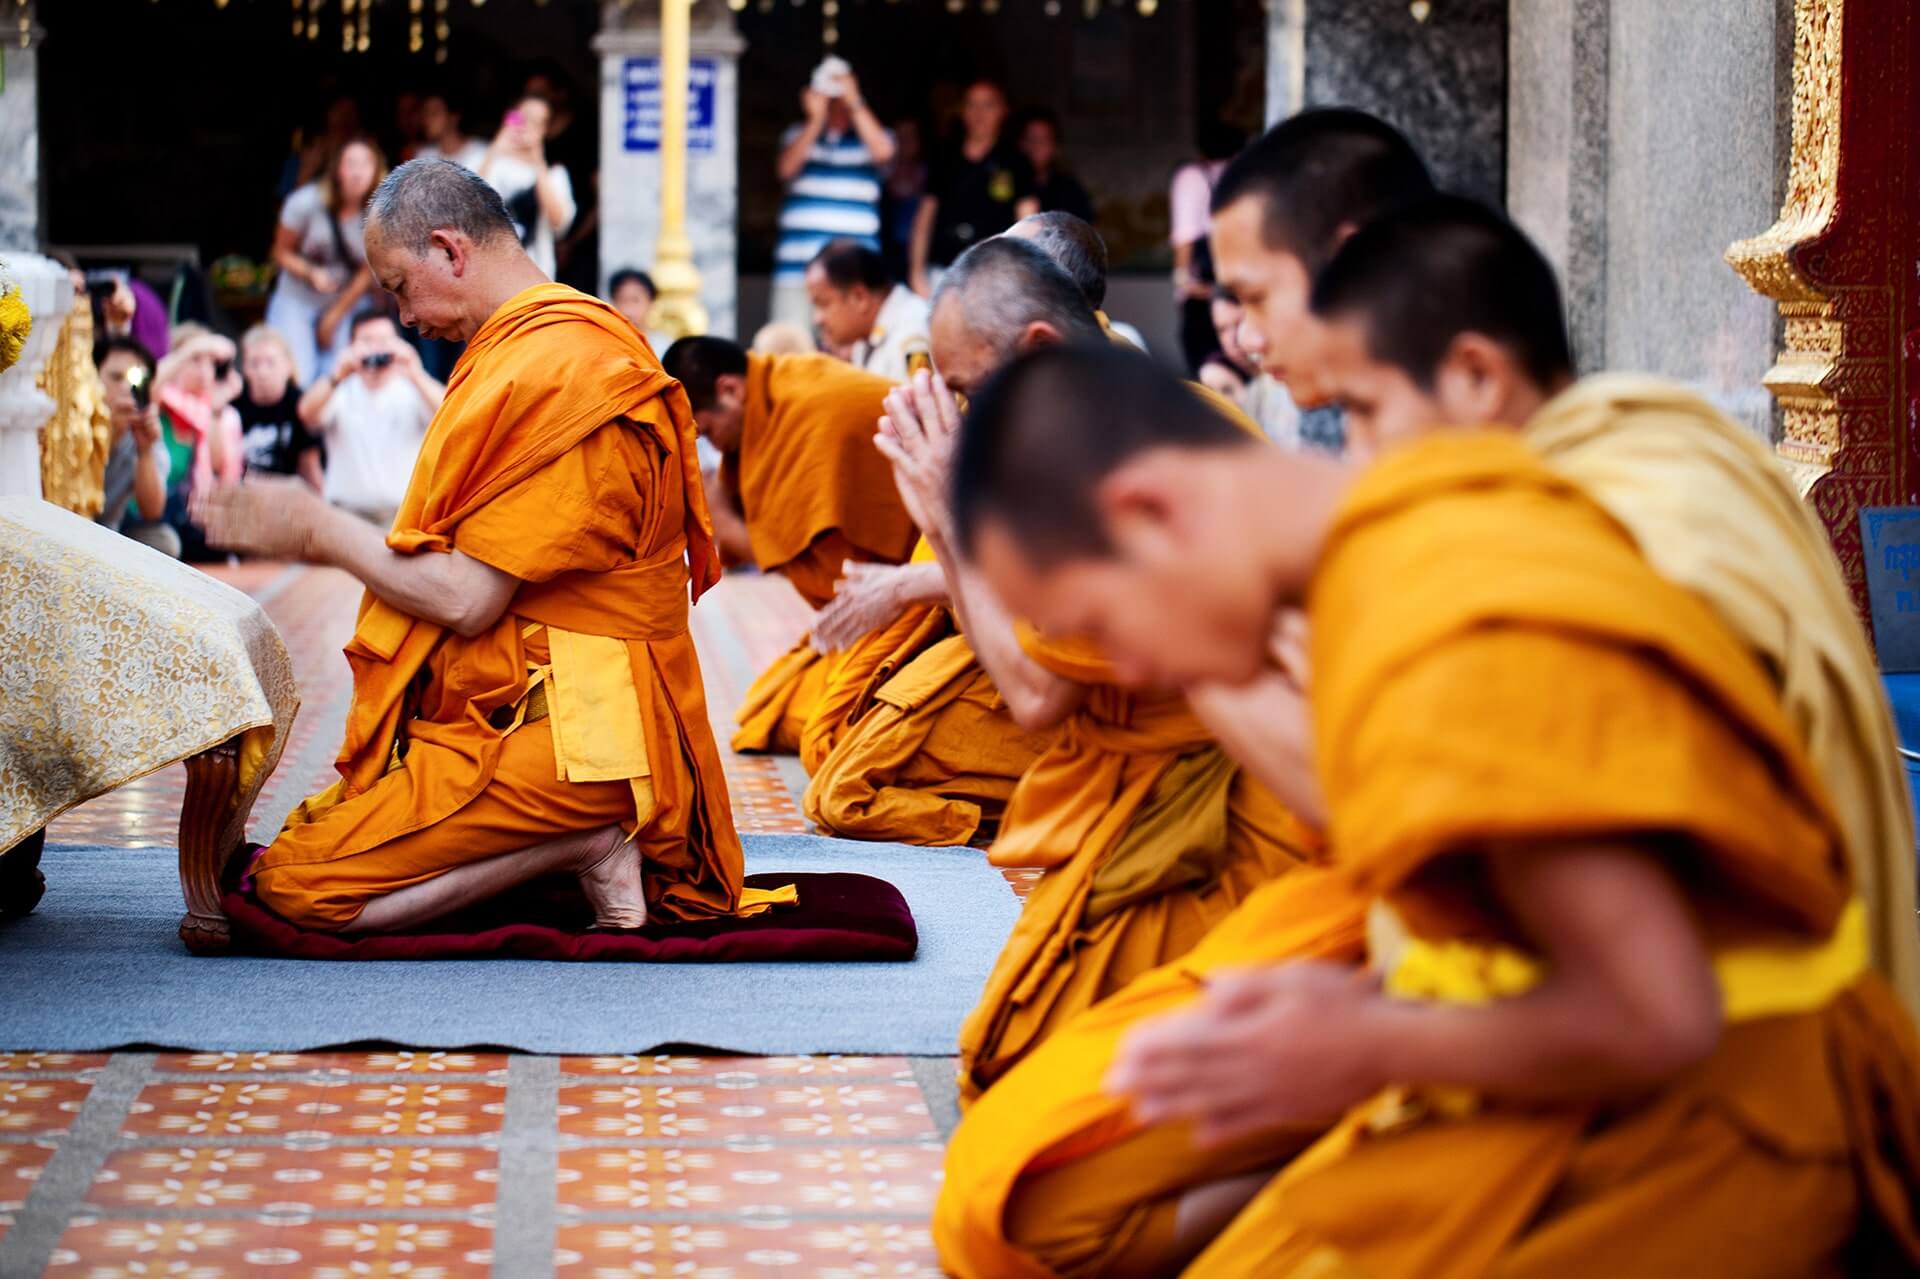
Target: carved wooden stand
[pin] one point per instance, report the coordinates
(212, 777)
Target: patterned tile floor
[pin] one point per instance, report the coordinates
(440, 1165)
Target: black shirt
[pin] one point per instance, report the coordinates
(1062, 193)
(977, 198)
(272, 437)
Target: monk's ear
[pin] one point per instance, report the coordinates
(1475, 380)
(452, 247)
(1139, 507)
(1036, 335)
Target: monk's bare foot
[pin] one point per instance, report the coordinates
(610, 876)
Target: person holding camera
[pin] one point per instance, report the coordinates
(538, 195)
(372, 412)
(194, 388)
(134, 484)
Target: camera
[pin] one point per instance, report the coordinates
(378, 360)
(221, 368)
(137, 383)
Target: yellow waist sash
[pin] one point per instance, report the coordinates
(1769, 979)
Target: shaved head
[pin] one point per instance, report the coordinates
(430, 194)
(1319, 174)
(1042, 434)
(1001, 297)
(1074, 246)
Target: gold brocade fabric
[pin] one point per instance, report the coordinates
(75, 441)
(119, 661)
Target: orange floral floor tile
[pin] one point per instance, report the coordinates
(397, 1162)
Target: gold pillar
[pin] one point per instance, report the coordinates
(677, 311)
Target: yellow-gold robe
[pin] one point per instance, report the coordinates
(911, 742)
(1712, 510)
(815, 493)
(1529, 678)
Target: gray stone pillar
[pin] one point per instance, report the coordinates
(1442, 80)
(1557, 153)
(629, 49)
(20, 147)
(1646, 137)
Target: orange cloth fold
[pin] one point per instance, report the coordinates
(563, 456)
(816, 493)
(1133, 806)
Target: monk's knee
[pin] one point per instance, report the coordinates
(1082, 1222)
(291, 895)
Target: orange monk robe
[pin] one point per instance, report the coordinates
(1529, 678)
(815, 493)
(564, 456)
(911, 742)
(1149, 836)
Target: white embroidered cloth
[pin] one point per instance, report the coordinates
(116, 661)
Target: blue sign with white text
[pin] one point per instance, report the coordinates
(1890, 546)
(640, 82)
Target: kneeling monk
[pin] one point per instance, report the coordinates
(526, 697)
(1629, 1025)
(802, 473)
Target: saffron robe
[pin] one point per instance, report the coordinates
(815, 493)
(911, 742)
(563, 456)
(1530, 678)
(1712, 510)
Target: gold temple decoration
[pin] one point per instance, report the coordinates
(677, 311)
(1803, 379)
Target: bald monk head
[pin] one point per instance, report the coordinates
(1280, 212)
(1100, 496)
(1074, 246)
(714, 373)
(1443, 314)
(1000, 298)
(441, 241)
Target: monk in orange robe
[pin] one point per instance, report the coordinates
(807, 489)
(1621, 898)
(1148, 834)
(526, 696)
(913, 741)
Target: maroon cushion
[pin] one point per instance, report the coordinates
(839, 917)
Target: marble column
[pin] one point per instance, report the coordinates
(19, 148)
(1442, 79)
(1647, 136)
(630, 160)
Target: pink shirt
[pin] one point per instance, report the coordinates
(1191, 200)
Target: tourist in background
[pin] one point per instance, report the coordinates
(1236, 374)
(194, 386)
(372, 412)
(538, 194)
(127, 307)
(441, 135)
(859, 308)
(975, 190)
(906, 185)
(831, 163)
(1057, 190)
(322, 258)
(1189, 201)
(273, 439)
(632, 293)
(134, 485)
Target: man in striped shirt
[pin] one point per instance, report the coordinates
(832, 163)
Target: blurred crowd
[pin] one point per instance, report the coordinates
(328, 388)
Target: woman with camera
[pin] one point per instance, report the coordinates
(323, 279)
